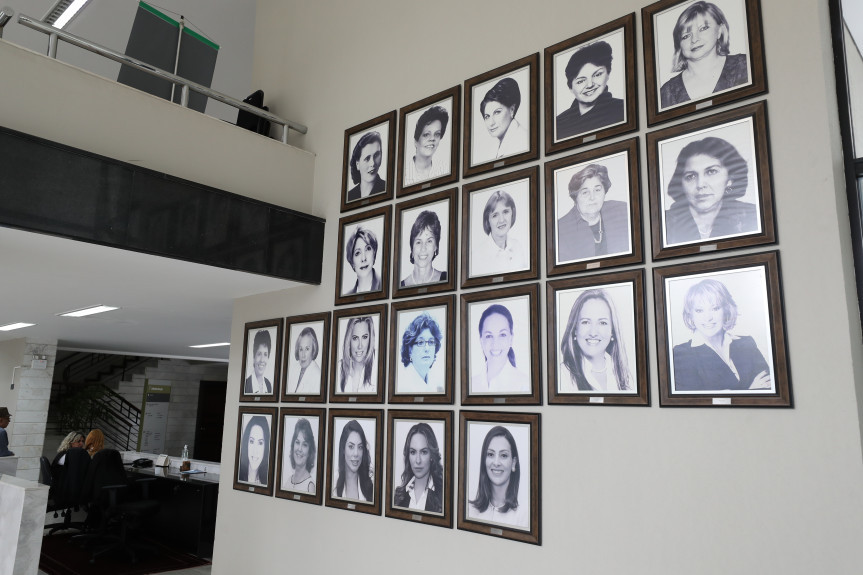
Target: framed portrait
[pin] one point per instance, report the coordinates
(590, 91)
(500, 229)
(429, 142)
(701, 54)
(425, 244)
(301, 454)
(357, 360)
(354, 460)
(419, 460)
(500, 346)
(501, 121)
(256, 450)
(306, 358)
(262, 353)
(597, 344)
(710, 186)
(498, 475)
(362, 273)
(593, 209)
(369, 162)
(720, 333)
(421, 361)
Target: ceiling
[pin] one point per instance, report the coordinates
(166, 305)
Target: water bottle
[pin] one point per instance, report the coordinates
(185, 465)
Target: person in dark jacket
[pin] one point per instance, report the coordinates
(422, 479)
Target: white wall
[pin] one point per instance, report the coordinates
(624, 490)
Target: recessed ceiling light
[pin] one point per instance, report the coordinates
(63, 11)
(210, 345)
(11, 326)
(87, 311)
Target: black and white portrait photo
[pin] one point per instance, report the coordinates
(357, 355)
(423, 342)
(255, 450)
(368, 162)
(261, 360)
(418, 465)
(425, 236)
(300, 444)
(364, 245)
(428, 144)
(306, 357)
(592, 209)
(353, 459)
(499, 229)
(500, 124)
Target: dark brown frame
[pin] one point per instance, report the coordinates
(383, 253)
(640, 377)
(756, 60)
(390, 119)
(534, 535)
(453, 129)
(321, 414)
(532, 153)
(417, 515)
(323, 357)
(377, 415)
(758, 113)
(775, 313)
(275, 355)
(447, 301)
(378, 396)
(531, 291)
(532, 176)
(636, 254)
(271, 474)
(451, 196)
(625, 23)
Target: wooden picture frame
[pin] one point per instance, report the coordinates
(307, 341)
(509, 444)
(597, 343)
(426, 436)
(360, 423)
(506, 199)
(358, 332)
(369, 230)
(440, 144)
(409, 322)
(425, 220)
(508, 134)
(742, 72)
(736, 302)
(721, 160)
(369, 152)
(493, 325)
(597, 225)
(255, 447)
(601, 64)
(296, 449)
(261, 370)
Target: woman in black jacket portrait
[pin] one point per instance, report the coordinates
(422, 479)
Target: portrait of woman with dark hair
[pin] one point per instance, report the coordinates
(428, 133)
(594, 226)
(355, 479)
(301, 456)
(365, 164)
(499, 374)
(498, 251)
(593, 355)
(424, 240)
(496, 499)
(707, 183)
(593, 106)
(255, 451)
(498, 110)
(305, 379)
(421, 486)
(361, 252)
(421, 342)
(702, 57)
(357, 366)
(715, 359)
(257, 383)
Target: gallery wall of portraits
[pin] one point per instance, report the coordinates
(491, 272)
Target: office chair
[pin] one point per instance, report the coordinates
(66, 488)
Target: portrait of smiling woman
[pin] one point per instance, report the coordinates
(422, 340)
(424, 242)
(254, 450)
(495, 249)
(357, 368)
(498, 482)
(424, 164)
(261, 372)
(421, 484)
(353, 470)
(300, 455)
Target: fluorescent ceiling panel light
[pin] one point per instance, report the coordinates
(11, 326)
(210, 345)
(63, 11)
(87, 311)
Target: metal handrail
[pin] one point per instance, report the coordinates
(54, 34)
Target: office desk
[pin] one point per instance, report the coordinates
(187, 518)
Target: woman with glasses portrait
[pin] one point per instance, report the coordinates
(421, 342)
